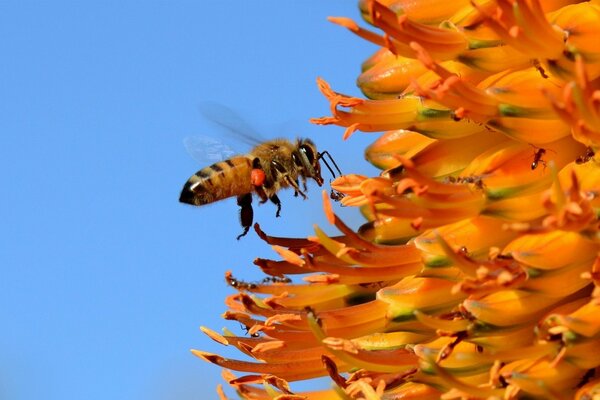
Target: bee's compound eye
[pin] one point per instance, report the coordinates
(257, 177)
(308, 152)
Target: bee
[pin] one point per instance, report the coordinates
(269, 167)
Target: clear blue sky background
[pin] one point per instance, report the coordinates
(105, 277)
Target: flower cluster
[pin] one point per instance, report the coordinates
(477, 272)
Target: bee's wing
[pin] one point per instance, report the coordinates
(230, 123)
(207, 150)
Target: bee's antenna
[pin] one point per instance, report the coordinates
(320, 157)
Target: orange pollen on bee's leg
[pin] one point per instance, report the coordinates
(257, 177)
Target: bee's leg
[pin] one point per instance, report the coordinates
(260, 191)
(296, 192)
(275, 200)
(303, 183)
(258, 179)
(294, 184)
(246, 212)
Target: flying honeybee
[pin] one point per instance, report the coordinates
(269, 167)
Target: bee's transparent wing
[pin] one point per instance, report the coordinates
(229, 135)
(230, 123)
(206, 149)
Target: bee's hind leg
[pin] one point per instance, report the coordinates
(260, 191)
(275, 200)
(246, 212)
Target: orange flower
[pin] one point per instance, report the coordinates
(477, 272)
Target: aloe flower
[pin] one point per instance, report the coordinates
(476, 274)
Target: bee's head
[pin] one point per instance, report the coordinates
(306, 159)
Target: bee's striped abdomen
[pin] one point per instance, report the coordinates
(219, 181)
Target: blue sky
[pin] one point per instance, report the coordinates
(105, 276)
